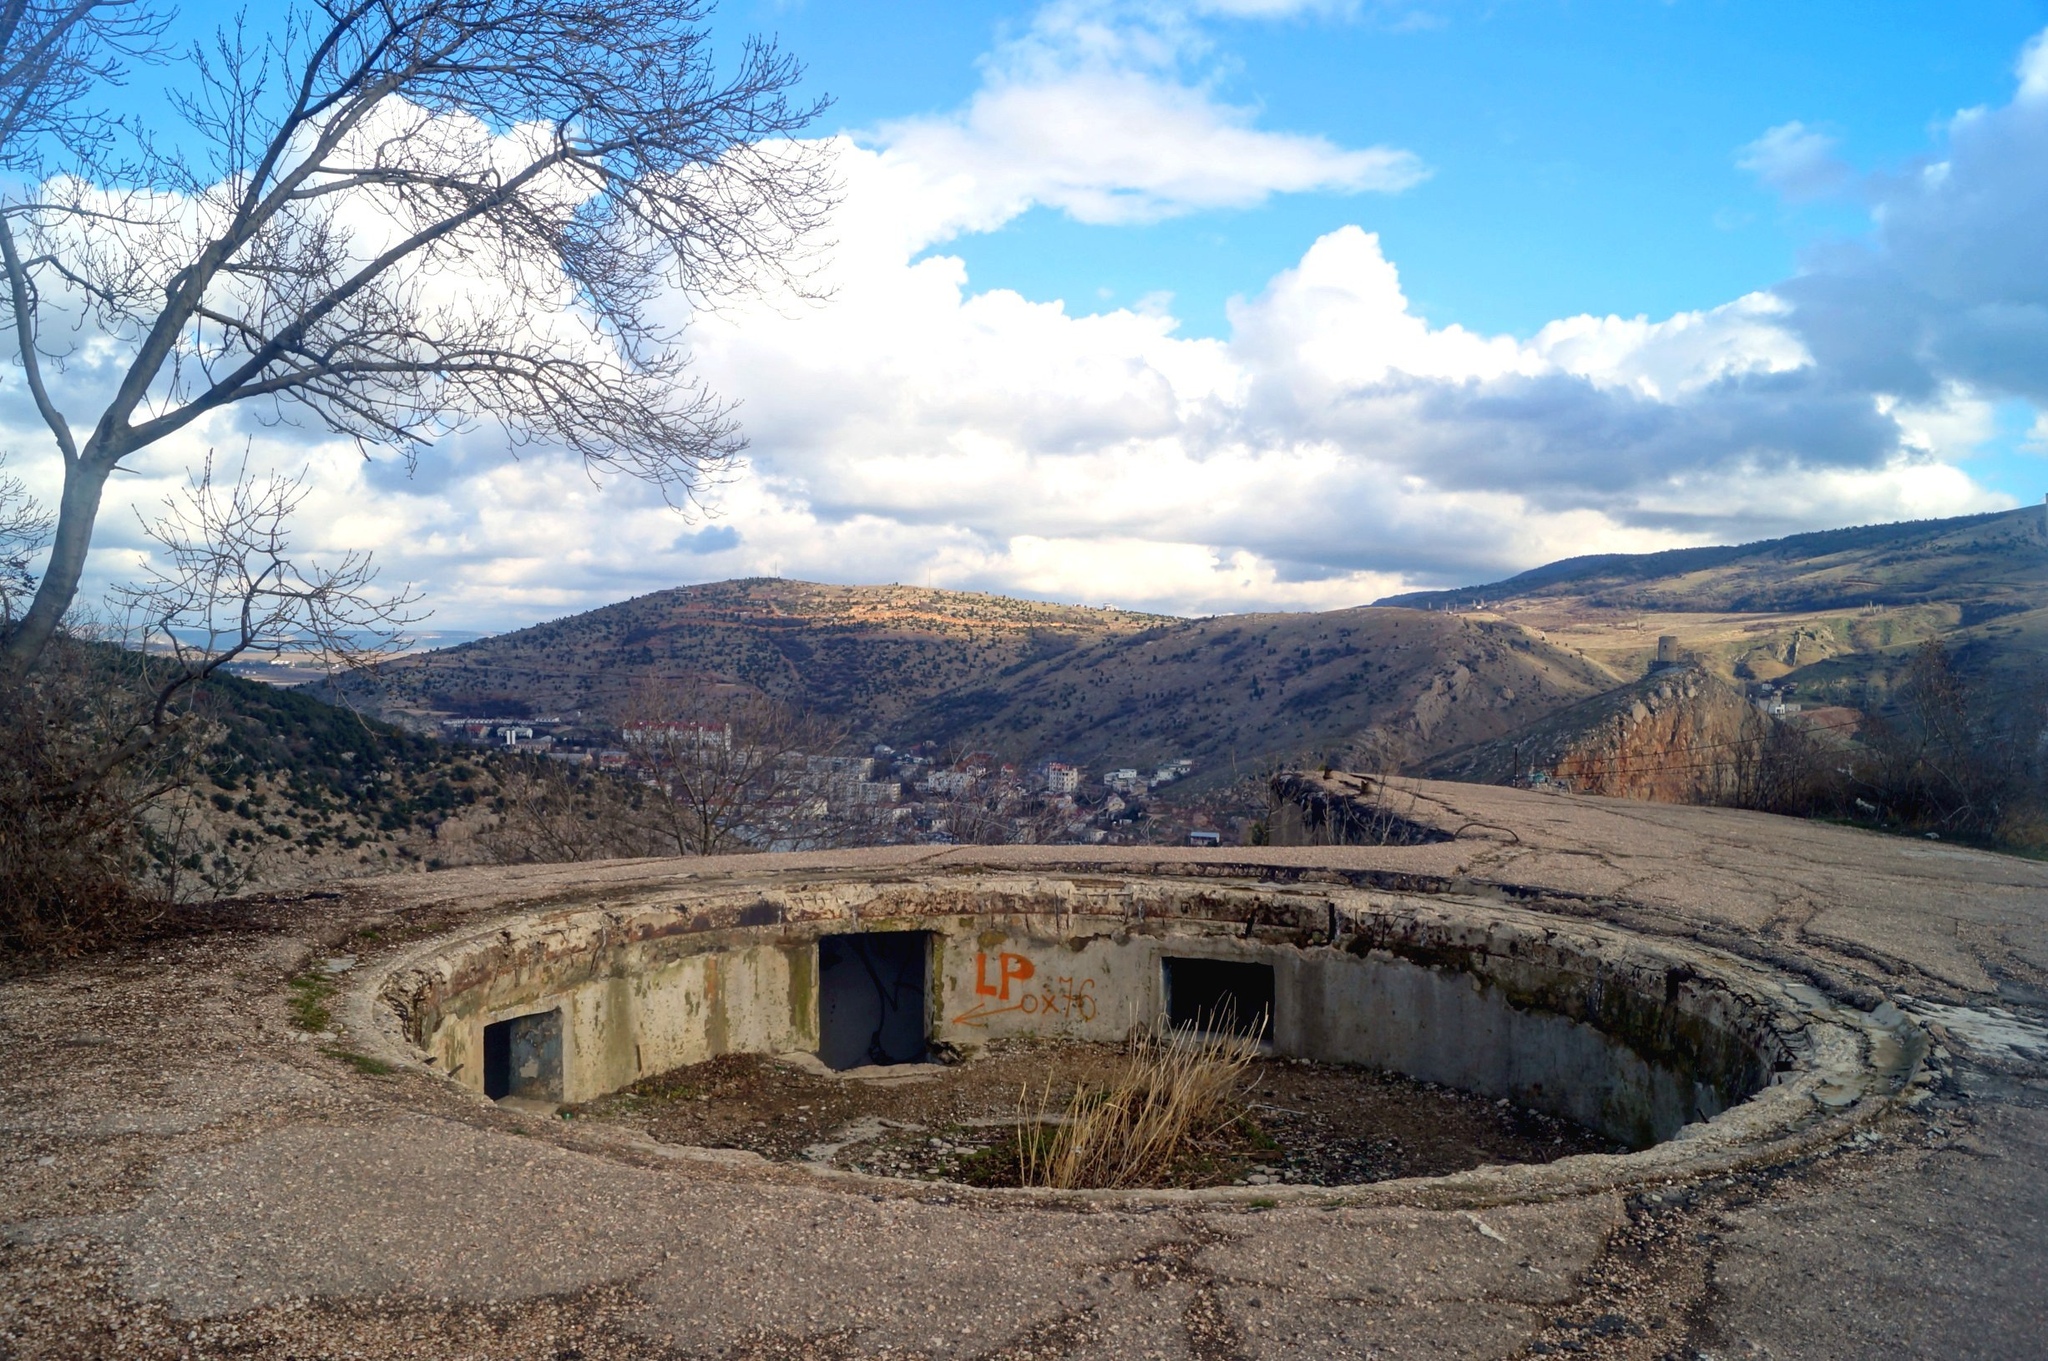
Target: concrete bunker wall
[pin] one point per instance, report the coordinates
(1493, 1001)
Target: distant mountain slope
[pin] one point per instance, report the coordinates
(867, 653)
(1239, 691)
(1830, 613)
(1989, 563)
(1027, 680)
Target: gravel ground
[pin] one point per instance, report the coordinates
(1294, 1122)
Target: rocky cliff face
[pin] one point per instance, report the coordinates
(1670, 737)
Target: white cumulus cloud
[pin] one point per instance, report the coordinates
(1796, 160)
(1335, 446)
(1094, 110)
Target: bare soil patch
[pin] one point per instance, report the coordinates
(1293, 1122)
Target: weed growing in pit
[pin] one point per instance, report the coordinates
(308, 1001)
(1172, 1097)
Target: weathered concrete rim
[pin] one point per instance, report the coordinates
(1849, 1067)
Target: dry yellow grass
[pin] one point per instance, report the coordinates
(1173, 1093)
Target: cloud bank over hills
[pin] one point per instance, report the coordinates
(1333, 448)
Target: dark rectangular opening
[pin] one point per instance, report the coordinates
(523, 1057)
(871, 997)
(1224, 995)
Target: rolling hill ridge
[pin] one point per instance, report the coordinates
(868, 654)
(1407, 681)
(1994, 562)
(1241, 691)
(1025, 680)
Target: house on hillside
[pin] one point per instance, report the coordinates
(950, 782)
(1125, 781)
(1171, 771)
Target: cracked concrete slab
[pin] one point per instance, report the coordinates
(1275, 1328)
(1403, 1282)
(900, 1273)
(1937, 1254)
(1992, 1034)
(1414, 1256)
(404, 1204)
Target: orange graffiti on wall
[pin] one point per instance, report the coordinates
(1061, 999)
(1009, 969)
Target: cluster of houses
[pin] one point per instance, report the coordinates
(525, 734)
(1129, 781)
(888, 795)
(980, 797)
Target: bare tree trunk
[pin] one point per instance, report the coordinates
(84, 482)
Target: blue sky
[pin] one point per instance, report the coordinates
(1212, 305)
(1582, 155)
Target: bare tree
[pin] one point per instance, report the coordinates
(1774, 766)
(92, 742)
(731, 773)
(66, 849)
(1958, 758)
(408, 216)
(228, 586)
(990, 810)
(1934, 751)
(548, 812)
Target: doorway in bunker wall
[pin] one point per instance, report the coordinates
(1221, 996)
(871, 997)
(523, 1057)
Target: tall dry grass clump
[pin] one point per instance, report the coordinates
(1172, 1095)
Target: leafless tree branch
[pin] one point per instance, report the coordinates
(53, 58)
(24, 533)
(406, 217)
(228, 586)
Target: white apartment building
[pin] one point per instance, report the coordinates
(950, 781)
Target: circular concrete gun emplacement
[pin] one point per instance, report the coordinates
(1694, 1059)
